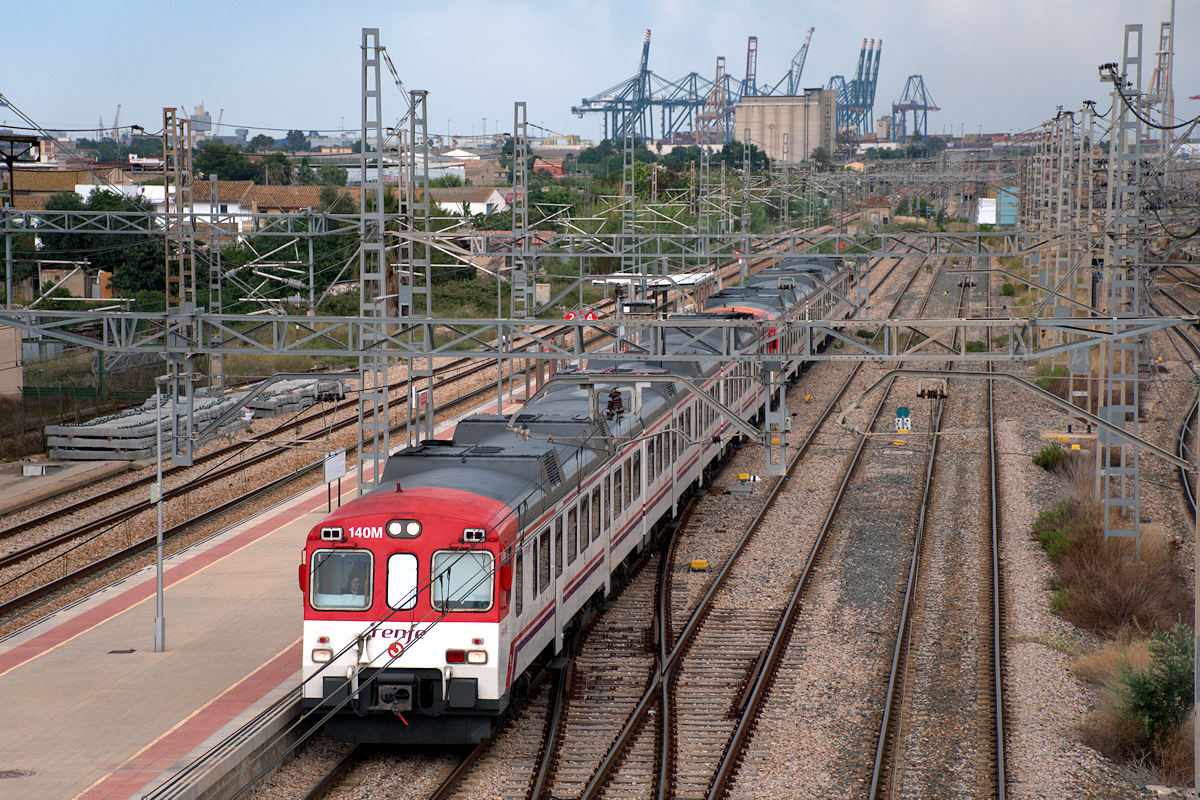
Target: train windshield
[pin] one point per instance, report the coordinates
(341, 579)
(462, 580)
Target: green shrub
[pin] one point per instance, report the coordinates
(1057, 527)
(1050, 457)
(976, 347)
(1062, 596)
(1161, 695)
(1008, 289)
(1052, 379)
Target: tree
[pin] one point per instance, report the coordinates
(821, 158)
(261, 142)
(447, 181)
(224, 160)
(295, 141)
(135, 260)
(333, 175)
(278, 169)
(305, 174)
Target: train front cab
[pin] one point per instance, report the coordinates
(402, 618)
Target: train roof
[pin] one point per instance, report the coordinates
(560, 441)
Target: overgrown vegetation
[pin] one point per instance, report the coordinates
(1050, 457)
(1145, 669)
(1146, 688)
(1053, 379)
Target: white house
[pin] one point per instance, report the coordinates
(475, 200)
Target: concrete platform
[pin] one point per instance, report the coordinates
(91, 712)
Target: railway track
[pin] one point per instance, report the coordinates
(944, 690)
(463, 774)
(643, 759)
(208, 470)
(1188, 427)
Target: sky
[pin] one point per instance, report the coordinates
(997, 66)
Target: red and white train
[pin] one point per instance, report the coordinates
(431, 602)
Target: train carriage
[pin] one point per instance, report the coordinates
(431, 600)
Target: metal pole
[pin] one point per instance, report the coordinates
(8, 265)
(160, 621)
(1196, 612)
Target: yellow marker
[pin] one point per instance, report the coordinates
(698, 565)
(899, 444)
(807, 397)
(1074, 447)
(743, 476)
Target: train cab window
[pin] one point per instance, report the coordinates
(572, 535)
(401, 580)
(543, 561)
(637, 475)
(341, 579)
(558, 546)
(462, 580)
(519, 583)
(595, 513)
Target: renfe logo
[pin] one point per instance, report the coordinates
(366, 532)
(405, 635)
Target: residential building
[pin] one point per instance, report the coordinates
(474, 199)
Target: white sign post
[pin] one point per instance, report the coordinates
(335, 468)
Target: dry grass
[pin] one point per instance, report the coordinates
(1103, 666)
(1107, 590)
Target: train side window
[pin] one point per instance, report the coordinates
(558, 545)
(572, 535)
(401, 580)
(637, 475)
(519, 583)
(544, 561)
(341, 579)
(650, 460)
(595, 513)
(617, 505)
(627, 495)
(607, 500)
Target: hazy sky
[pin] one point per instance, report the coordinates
(1000, 65)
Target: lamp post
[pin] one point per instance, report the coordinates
(160, 620)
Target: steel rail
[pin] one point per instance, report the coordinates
(104, 562)
(764, 678)
(699, 614)
(331, 778)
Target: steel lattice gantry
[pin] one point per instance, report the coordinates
(916, 98)
(856, 97)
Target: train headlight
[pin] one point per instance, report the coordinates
(322, 655)
(403, 528)
(477, 656)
